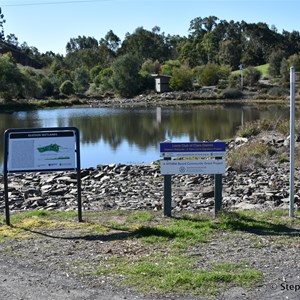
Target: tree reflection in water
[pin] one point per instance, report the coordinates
(127, 135)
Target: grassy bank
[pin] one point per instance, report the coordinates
(153, 254)
(37, 104)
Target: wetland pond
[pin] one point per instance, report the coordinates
(132, 135)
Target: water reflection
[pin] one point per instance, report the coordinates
(132, 135)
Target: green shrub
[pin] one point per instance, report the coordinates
(67, 88)
(210, 75)
(283, 158)
(222, 84)
(234, 81)
(256, 127)
(102, 80)
(182, 79)
(251, 76)
(278, 91)
(169, 66)
(11, 79)
(47, 86)
(275, 60)
(248, 157)
(126, 80)
(232, 93)
(81, 80)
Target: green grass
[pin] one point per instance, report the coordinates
(165, 261)
(178, 274)
(186, 231)
(264, 69)
(38, 104)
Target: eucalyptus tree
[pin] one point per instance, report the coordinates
(210, 44)
(291, 42)
(173, 43)
(12, 40)
(11, 78)
(258, 42)
(2, 21)
(211, 38)
(146, 44)
(111, 41)
(126, 80)
(48, 57)
(82, 52)
(275, 60)
(230, 53)
(200, 26)
(108, 50)
(230, 43)
(202, 44)
(59, 72)
(81, 80)
(80, 43)
(192, 53)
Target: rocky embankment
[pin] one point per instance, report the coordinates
(141, 187)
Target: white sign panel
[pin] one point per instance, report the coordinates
(169, 167)
(36, 151)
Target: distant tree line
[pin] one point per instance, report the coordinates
(207, 56)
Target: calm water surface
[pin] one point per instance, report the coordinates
(132, 135)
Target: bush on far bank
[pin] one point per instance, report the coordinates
(232, 93)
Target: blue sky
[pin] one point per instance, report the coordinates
(49, 24)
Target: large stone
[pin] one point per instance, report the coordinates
(208, 192)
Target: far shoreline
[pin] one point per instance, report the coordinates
(145, 101)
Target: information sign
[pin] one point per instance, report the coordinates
(203, 166)
(41, 151)
(211, 163)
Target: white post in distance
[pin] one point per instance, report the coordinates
(242, 79)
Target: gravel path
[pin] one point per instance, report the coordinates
(42, 267)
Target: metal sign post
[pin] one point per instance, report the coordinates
(41, 150)
(218, 191)
(167, 193)
(292, 139)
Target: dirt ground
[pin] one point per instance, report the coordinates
(42, 267)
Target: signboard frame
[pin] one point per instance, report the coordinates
(46, 157)
(169, 150)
